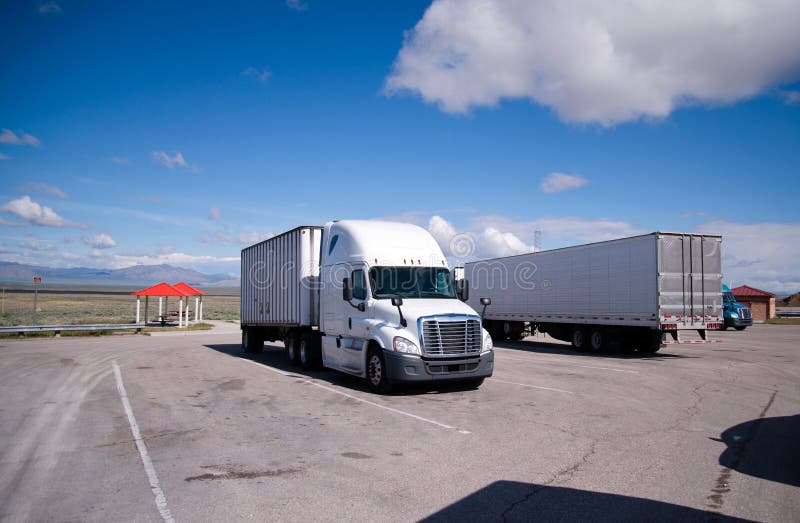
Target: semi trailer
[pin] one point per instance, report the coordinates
(635, 293)
(368, 298)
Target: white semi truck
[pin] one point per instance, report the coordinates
(635, 293)
(369, 298)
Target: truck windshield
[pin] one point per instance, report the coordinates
(411, 282)
(729, 297)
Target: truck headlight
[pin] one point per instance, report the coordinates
(734, 315)
(403, 345)
(487, 343)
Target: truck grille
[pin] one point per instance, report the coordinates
(744, 313)
(451, 337)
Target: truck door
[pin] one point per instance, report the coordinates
(353, 344)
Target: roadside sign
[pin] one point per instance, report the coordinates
(37, 279)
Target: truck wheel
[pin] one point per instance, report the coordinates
(251, 342)
(597, 340)
(377, 375)
(305, 351)
(579, 339)
(651, 343)
(474, 383)
(740, 328)
(513, 331)
(290, 343)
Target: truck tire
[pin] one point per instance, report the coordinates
(597, 340)
(305, 351)
(579, 339)
(513, 330)
(290, 344)
(251, 341)
(740, 328)
(651, 343)
(377, 376)
(473, 383)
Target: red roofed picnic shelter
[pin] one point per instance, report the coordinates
(198, 300)
(164, 290)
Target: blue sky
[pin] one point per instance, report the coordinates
(179, 133)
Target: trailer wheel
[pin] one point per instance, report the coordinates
(597, 340)
(251, 341)
(377, 375)
(579, 339)
(513, 331)
(651, 343)
(290, 343)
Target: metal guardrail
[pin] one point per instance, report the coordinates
(58, 329)
(788, 314)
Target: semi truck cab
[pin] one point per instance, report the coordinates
(389, 310)
(737, 315)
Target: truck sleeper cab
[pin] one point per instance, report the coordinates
(382, 306)
(736, 314)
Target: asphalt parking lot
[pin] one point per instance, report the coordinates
(692, 433)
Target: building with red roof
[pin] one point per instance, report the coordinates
(761, 303)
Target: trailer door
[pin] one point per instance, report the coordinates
(690, 279)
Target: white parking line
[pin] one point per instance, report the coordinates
(362, 400)
(161, 499)
(530, 386)
(567, 364)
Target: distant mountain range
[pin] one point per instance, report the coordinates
(143, 275)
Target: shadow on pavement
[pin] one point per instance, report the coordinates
(516, 501)
(273, 356)
(766, 448)
(541, 346)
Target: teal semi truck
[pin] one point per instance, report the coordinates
(737, 315)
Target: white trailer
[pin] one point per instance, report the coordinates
(629, 292)
(372, 299)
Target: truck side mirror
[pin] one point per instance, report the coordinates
(462, 289)
(397, 301)
(485, 302)
(347, 290)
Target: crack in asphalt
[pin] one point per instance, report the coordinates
(567, 472)
(722, 485)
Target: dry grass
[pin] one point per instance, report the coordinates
(784, 321)
(86, 305)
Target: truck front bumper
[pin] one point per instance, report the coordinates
(405, 368)
(738, 322)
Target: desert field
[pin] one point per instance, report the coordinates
(72, 305)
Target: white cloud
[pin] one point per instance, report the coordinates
(791, 97)
(242, 238)
(559, 182)
(762, 255)
(4, 157)
(100, 241)
(35, 245)
(9, 137)
(297, 5)
(44, 189)
(36, 214)
(214, 213)
(120, 160)
(120, 261)
(262, 75)
(478, 242)
(598, 62)
(50, 8)
(173, 161)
